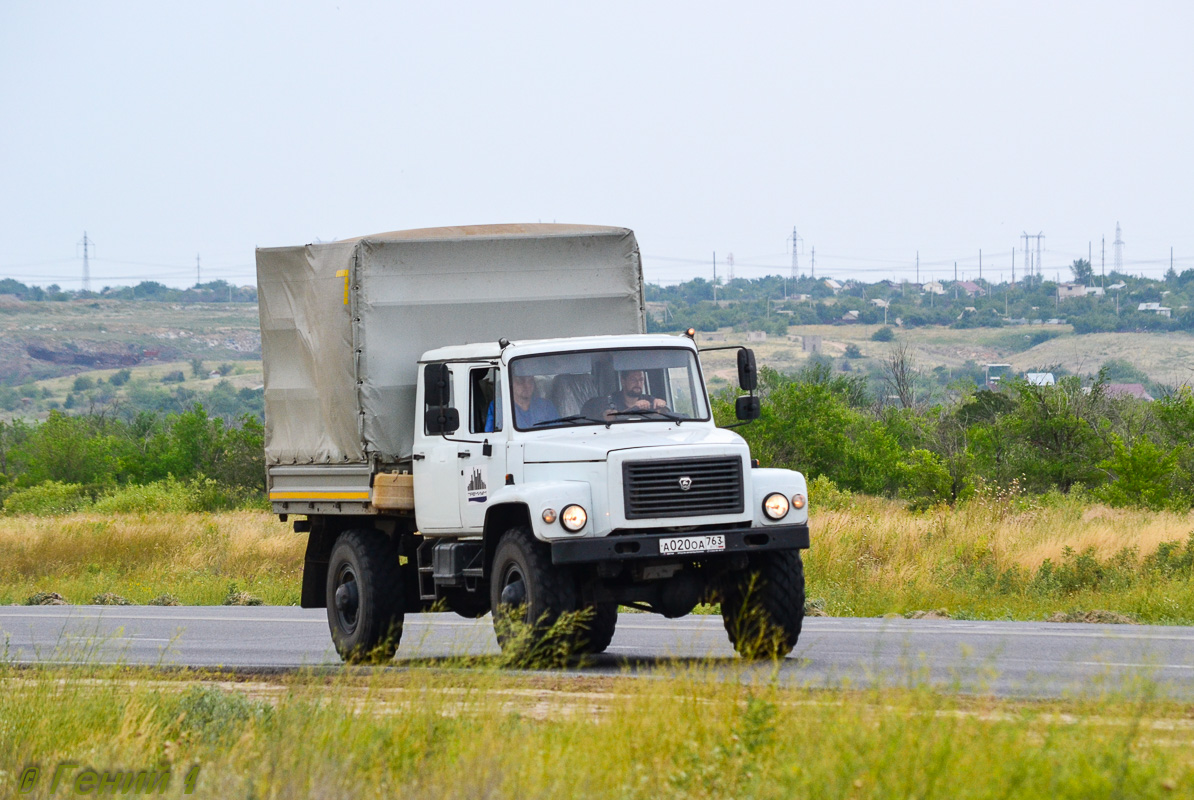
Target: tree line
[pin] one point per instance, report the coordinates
(1021, 439)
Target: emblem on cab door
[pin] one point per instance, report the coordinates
(685, 483)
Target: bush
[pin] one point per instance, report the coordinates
(48, 499)
(884, 334)
(83, 383)
(159, 496)
(174, 377)
(926, 481)
(169, 495)
(120, 378)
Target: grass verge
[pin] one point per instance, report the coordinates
(484, 733)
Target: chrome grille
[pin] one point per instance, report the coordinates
(653, 488)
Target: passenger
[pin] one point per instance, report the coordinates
(528, 409)
(629, 397)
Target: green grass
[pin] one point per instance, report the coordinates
(484, 733)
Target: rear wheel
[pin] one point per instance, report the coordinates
(526, 591)
(762, 607)
(364, 596)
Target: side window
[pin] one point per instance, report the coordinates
(682, 401)
(431, 399)
(485, 413)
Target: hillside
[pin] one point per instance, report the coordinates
(46, 346)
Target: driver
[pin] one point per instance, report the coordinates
(629, 398)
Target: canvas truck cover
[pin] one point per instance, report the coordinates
(343, 324)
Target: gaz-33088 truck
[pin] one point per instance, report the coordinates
(474, 419)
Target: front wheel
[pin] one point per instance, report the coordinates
(527, 593)
(762, 607)
(364, 596)
(601, 624)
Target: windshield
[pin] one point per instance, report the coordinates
(600, 387)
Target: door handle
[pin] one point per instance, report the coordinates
(463, 454)
(417, 456)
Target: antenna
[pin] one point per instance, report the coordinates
(813, 268)
(730, 262)
(197, 279)
(86, 266)
(796, 242)
(1119, 249)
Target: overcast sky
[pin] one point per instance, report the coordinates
(170, 129)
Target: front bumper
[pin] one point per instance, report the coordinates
(641, 546)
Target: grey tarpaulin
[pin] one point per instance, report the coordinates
(343, 324)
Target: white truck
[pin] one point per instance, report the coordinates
(474, 419)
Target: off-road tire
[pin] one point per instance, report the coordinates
(371, 632)
(550, 590)
(762, 607)
(600, 628)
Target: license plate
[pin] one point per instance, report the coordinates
(692, 544)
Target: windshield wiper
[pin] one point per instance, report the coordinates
(570, 418)
(665, 414)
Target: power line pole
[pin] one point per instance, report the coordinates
(1103, 262)
(917, 267)
(730, 261)
(197, 278)
(980, 265)
(813, 268)
(1013, 266)
(86, 265)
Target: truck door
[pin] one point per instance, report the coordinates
(482, 469)
(436, 468)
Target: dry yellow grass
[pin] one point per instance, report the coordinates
(141, 556)
(983, 558)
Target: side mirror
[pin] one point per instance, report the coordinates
(435, 385)
(748, 374)
(747, 408)
(441, 420)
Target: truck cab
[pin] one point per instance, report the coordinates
(600, 452)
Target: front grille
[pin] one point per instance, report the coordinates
(652, 488)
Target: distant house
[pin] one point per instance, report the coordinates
(1156, 308)
(1136, 390)
(970, 288)
(1040, 378)
(1117, 285)
(833, 285)
(934, 287)
(756, 336)
(1067, 290)
(880, 303)
(850, 316)
(1097, 291)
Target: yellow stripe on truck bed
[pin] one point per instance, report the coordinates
(318, 495)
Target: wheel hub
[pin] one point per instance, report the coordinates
(515, 593)
(348, 602)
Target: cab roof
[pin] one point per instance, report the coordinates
(482, 351)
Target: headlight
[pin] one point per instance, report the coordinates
(798, 501)
(775, 506)
(573, 518)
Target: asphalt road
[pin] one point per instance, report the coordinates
(1033, 659)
